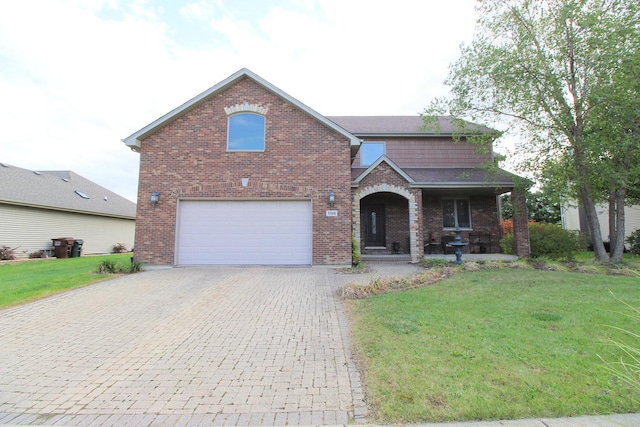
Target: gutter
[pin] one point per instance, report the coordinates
(66, 210)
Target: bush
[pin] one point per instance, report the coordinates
(356, 257)
(508, 244)
(634, 242)
(6, 253)
(119, 248)
(507, 226)
(38, 254)
(111, 267)
(547, 240)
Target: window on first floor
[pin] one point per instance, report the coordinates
(246, 132)
(370, 152)
(456, 213)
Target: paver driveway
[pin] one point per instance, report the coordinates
(185, 346)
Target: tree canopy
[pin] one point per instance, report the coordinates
(564, 75)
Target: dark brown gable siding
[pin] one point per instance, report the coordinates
(303, 158)
(430, 152)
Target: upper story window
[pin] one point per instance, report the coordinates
(370, 152)
(456, 213)
(246, 132)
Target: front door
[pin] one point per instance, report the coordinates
(374, 226)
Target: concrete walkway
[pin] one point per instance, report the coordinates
(185, 346)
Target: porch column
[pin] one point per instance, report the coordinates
(355, 219)
(416, 234)
(520, 223)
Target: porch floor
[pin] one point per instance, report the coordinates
(449, 257)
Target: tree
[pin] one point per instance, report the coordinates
(561, 73)
(541, 207)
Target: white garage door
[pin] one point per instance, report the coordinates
(244, 232)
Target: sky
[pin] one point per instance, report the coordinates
(78, 76)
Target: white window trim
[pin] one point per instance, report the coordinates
(384, 151)
(455, 210)
(241, 150)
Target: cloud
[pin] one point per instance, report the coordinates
(77, 76)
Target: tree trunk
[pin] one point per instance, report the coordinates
(612, 219)
(617, 250)
(592, 220)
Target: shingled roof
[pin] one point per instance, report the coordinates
(402, 125)
(62, 191)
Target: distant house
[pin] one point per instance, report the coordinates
(37, 206)
(574, 218)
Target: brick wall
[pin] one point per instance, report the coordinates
(188, 158)
(484, 219)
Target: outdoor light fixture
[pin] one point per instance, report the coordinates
(332, 197)
(155, 196)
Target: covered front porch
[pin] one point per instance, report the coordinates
(414, 211)
(395, 223)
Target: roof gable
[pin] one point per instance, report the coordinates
(61, 190)
(133, 140)
(375, 164)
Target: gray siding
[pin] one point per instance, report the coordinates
(32, 229)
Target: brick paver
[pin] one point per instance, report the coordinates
(183, 346)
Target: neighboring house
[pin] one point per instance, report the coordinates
(246, 174)
(37, 206)
(574, 218)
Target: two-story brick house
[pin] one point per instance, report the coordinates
(246, 174)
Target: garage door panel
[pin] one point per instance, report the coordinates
(244, 232)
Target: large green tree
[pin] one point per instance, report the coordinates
(563, 75)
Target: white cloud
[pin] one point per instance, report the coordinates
(77, 76)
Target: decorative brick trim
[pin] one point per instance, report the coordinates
(207, 188)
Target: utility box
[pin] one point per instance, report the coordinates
(62, 246)
(76, 249)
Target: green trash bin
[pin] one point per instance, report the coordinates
(77, 248)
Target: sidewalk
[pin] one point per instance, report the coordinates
(622, 420)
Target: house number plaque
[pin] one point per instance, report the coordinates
(332, 213)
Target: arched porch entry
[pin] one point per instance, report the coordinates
(380, 219)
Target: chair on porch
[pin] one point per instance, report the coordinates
(431, 245)
(446, 246)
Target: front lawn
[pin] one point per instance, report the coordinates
(501, 344)
(25, 281)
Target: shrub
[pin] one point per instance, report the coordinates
(508, 244)
(634, 242)
(111, 267)
(356, 257)
(507, 226)
(38, 254)
(6, 253)
(107, 267)
(547, 240)
(119, 248)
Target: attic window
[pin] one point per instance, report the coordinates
(65, 179)
(37, 173)
(246, 132)
(81, 194)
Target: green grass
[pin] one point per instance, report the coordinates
(499, 344)
(26, 281)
